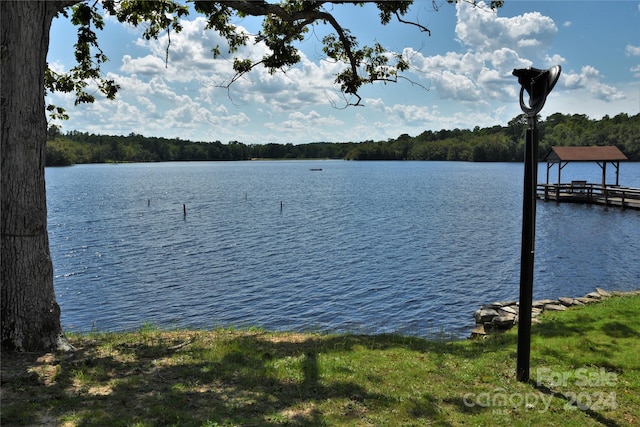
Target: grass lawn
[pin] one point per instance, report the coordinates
(585, 371)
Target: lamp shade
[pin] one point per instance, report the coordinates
(538, 83)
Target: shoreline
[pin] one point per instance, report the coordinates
(501, 316)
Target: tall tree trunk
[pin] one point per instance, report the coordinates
(30, 314)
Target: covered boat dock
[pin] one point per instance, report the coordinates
(585, 192)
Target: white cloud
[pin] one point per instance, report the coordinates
(413, 114)
(308, 124)
(147, 103)
(413, 119)
(554, 60)
(57, 66)
(148, 65)
(376, 104)
(505, 60)
(632, 50)
(494, 47)
(528, 34)
(583, 102)
(457, 86)
(589, 79)
(191, 61)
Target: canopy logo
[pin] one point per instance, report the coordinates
(501, 401)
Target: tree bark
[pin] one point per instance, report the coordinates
(30, 315)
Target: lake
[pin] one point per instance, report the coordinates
(365, 247)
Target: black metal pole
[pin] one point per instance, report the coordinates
(537, 83)
(528, 249)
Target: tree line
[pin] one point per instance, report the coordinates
(493, 144)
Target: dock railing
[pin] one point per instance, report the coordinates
(585, 192)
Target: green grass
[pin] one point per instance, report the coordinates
(585, 371)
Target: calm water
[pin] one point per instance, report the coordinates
(409, 247)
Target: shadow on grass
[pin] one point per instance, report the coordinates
(589, 333)
(570, 401)
(255, 379)
(594, 318)
(197, 378)
(603, 335)
(619, 330)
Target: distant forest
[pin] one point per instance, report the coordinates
(494, 144)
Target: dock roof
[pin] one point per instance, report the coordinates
(608, 153)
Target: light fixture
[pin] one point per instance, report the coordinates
(538, 83)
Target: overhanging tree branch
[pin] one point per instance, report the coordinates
(284, 24)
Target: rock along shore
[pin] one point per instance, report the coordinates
(501, 316)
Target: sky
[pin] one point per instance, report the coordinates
(462, 74)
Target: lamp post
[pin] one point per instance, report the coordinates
(538, 84)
